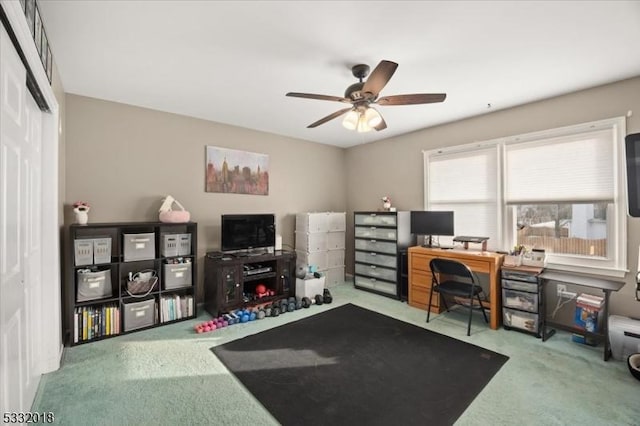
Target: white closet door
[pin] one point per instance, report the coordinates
(20, 233)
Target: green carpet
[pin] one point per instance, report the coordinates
(168, 376)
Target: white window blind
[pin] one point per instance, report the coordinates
(577, 168)
(466, 183)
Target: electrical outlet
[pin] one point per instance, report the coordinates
(561, 288)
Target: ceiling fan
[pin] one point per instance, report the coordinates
(361, 116)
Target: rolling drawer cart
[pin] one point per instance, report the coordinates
(522, 299)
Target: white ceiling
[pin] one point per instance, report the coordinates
(233, 62)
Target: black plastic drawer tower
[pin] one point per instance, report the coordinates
(522, 300)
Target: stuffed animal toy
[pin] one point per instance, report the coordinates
(168, 215)
(386, 203)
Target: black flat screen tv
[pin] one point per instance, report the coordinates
(247, 232)
(431, 223)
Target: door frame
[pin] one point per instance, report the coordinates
(49, 330)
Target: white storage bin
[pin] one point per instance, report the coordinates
(139, 246)
(335, 258)
(309, 287)
(176, 275)
(169, 245)
(624, 336)
(318, 259)
(312, 222)
(336, 240)
(337, 222)
(93, 285)
(311, 242)
(139, 314)
(334, 276)
(83, 250)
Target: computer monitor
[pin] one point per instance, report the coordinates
(431, 223)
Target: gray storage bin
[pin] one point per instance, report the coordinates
(139, 246)
(101, 250)
(184, 244)
(169, 245)
(83, 250)
(93, 285)
(176, 275)
(139, 314)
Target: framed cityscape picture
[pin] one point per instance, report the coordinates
(236, 172)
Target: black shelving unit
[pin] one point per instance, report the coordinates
(89, 317)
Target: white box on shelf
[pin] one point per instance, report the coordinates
(309, 287)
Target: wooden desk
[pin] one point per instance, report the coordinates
(478, 261)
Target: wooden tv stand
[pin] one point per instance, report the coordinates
(230, 280)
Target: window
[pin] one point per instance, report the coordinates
(561, 190)
(466, 182)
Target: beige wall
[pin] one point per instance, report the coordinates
(123, 160)
(394, 167)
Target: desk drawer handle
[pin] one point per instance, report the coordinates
(372, 266)
(373, 241)
(372, 254)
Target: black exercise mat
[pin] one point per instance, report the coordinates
(353, 366)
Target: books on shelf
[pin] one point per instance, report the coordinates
(175, 307)
(92, 322)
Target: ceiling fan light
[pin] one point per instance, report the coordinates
(362, 125)
(372, 117)
(351, 120)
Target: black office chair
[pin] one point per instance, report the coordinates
(454, 278)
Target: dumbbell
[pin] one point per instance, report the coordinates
(319, 299)
(326, 296)
(306, 302)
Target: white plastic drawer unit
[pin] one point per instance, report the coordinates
(375, 284)
(376, 272)
(376, 259)
(337, 222)
(335, 258)
(377, 246)
(312, 222)
(336, 240)
(373, 219)
(317, 259)
(376, 233)
(520, 300)
(311, 242)
(522, 320)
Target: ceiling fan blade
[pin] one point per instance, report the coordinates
(319, 97)
(382, 125)
(328, 118)
(379, 77)
(413, 99)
